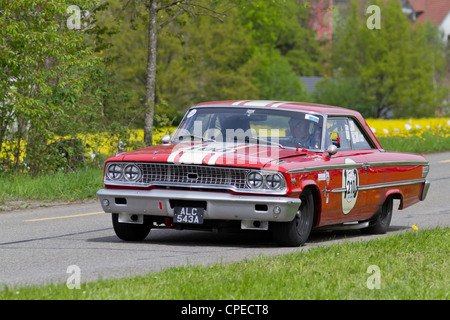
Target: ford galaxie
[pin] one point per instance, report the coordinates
(287, 167)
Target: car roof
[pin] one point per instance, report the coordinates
(300, 106)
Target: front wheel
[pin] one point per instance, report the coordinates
(129, 231)
(295, 233)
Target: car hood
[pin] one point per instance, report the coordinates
(213, 153)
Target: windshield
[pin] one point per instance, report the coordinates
(258, 126)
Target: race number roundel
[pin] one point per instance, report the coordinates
(350, 182)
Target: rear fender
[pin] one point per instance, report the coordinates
(396, 194)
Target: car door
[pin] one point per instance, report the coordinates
(372, 175)
(343, 201)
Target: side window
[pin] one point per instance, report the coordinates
(358, 139)
(338, 133)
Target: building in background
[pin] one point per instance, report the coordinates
(418, 11)
(435, 11)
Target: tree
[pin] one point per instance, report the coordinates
(208, 60)
(343, 92)
(38, 53)
(279, 82)
(257, 51)
(396, 65)
(286, 47)
(173, 9)
(281, 29)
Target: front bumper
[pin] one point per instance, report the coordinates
(219, 206)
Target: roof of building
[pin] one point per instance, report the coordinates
(310, 82)
(432, 10)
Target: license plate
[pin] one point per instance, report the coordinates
(188, 215)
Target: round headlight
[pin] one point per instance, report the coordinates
(273, 181)
(132, 172)
(255, 180)
(114, 172)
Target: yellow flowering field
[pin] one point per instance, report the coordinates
(388, 131)
(413, 135)
(96, 144)
(424, 135)
(410, 127)
(107, 145)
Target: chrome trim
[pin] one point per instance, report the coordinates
(390, 184)
(397, 163)
(426, 187)
(208, 177)
(224, 206)
(382, 185)
(329, 167)
(359, 165)
(108, 173)
(126, 174)
(255, 179)
(425, 171)
(340, 190)
(269, 180)
(356, 225)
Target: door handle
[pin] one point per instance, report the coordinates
(366, 167)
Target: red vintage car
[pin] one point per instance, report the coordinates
(288, 167)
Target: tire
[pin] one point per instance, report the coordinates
(382, 219)
(129, 231)
(295, 233)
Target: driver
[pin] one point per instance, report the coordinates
(300, 133)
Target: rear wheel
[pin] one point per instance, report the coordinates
(382, 218)
(130, 231)
(294, 233)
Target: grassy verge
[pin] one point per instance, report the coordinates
(427, 142)
(61, 186)
(412, 265)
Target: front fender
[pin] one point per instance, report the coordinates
(298, 185)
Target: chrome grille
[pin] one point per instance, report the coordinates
(165, 173)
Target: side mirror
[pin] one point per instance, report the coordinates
(332, 150)
(165, 139)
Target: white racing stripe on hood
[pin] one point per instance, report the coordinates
(172, 156)
(233, 148)
(196, 154)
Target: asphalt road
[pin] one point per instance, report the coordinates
(39, 246)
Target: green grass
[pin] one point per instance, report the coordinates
(427, 142)
(413, 265)
(61, 186)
